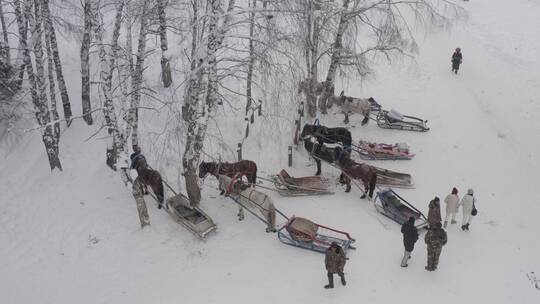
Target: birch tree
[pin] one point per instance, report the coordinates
(85, 62)
(166, 76)
(55, 54)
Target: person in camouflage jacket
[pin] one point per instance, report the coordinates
(435, 239)
(335, 262)
(434, 213)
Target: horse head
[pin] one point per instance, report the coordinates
(203, 169)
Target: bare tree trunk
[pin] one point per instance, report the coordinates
(328, 87)
(52, 91)
(166, 76)
(207, 70)
(5, 34)
(85, 63)
(39, 96)
(22, 27)
(107, 63)
(251, 63)
(137, 77)
(49, 28)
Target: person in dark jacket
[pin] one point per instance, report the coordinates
(435, 239)
(410, 236)
(434, 212)
(335, 262)
(138, 161)
(457, 59)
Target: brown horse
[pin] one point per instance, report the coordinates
(351, 169)
(151, 178)
(243, 167)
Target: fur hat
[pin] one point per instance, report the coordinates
(454, 190)
(470, 192)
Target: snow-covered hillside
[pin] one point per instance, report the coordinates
(74, 236)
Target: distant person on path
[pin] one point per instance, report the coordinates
(457, 59)
(410, 236)
(434, 213)
(452, 205)
(435, 239)
(467, 206)
(335, 262)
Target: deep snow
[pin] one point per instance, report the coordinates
(74, 236)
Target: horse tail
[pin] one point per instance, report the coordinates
(372, 183)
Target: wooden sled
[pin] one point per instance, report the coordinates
(193, 218)
(300, 186)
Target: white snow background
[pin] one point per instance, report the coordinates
(74, 236)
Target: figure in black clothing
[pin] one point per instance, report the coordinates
(457, 58)
(410, 236)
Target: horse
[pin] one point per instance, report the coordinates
(351, 105)
(328, 135)
(319, 152)
(250, 198)
(149, 177)
(244, 167)
(351, 169)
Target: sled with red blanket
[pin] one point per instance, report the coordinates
(303, 233)
(379, 151)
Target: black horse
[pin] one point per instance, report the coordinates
(319, 151)
(327, 135)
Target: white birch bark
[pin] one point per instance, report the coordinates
(166, 76)
(5, 33)
(49, 28)
(85, 63)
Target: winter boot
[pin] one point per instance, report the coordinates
(343, 282)
(467, 227)
(463, 227)
(445, 223)
(330, 281)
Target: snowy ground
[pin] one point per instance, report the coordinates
(75, 237)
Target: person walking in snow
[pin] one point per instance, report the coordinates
(457, 59)
(467, 206)
(410, 236)
(452, 204)
(434, 213)
(435, 239)
(335, 262)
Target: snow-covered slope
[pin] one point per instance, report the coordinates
(74, 236)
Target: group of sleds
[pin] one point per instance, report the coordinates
(334, 147)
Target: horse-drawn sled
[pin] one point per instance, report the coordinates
(379, 151)
(389, 178)
(394, 120)
(287, 185)
(303, 233)
(393, 206)
(193, 218)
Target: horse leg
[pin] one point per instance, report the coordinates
(318, 162)
(240, 213)
(365, 190)
(365, 120)
(348, 189)
(346, 121)
(372, 185)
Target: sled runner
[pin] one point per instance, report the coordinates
(390, 204)
(297, 186)
(378, 151)
(303, 233)
(193, 218)
(394, 120)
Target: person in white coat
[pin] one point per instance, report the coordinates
(452, 205)
(466, 204)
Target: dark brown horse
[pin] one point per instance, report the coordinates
(351, 169)
(150, 178)
(319, 152)
(243, 167)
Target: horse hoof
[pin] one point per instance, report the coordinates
(348, 190)
(363, 196)
(317, 173)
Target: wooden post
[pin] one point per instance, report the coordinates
(260, 108)
(290, 156)
(239, 151)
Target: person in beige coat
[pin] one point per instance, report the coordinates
(452, 205)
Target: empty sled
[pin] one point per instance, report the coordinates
(395, 179)
(303, 233)
(193, 218)
(394, 120)
(397, 208)
(287, 185)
